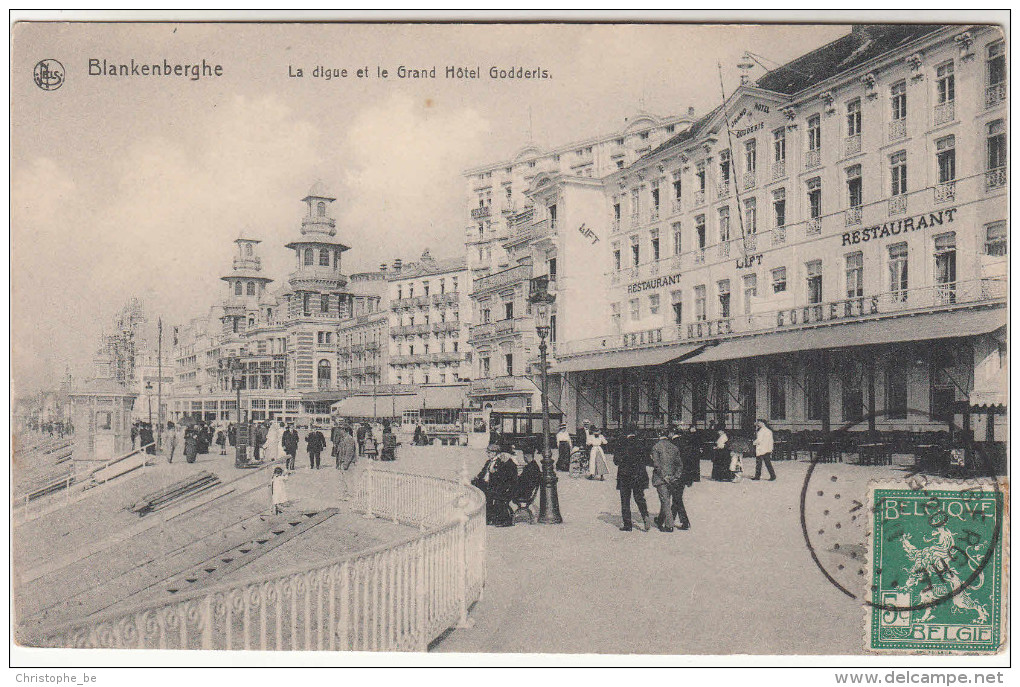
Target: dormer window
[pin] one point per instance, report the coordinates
(321, 208)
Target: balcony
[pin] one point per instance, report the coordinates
(410, 329)
(372, 346)
(897, 129)
(635, 219)
(446, 357)
(504, 327)
(945, 193)
(654, 215)
(778, 236)
(945, 112)
(357, 348)
(813, 226)
(750, 243)
(616, 225)
(480, 212)
(514, 275)
(813, 158)
(448, 327)
(778, 170)
(482, 386)
(699, 256)
(699, 198)
(505, 382)
(851, 145)
(852, 216)
(480, 332)
(749, 181)
(722, 190)
(995, 179)
(444, 299)
(898, 205)
(678, 206)
(724, 248)
(995, 94)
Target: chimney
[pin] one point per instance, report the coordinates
(690, 111)
(397, 264)
(382, 267)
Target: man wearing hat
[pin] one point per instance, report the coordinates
(565, 446)
(632, 478)
(667, 469)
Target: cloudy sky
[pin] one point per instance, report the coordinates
(128, 187)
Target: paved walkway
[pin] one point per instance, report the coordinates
(740, 581)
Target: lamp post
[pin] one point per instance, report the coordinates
(240, 431)
(549, 503)
(148, 397)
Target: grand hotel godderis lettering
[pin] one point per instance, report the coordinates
(889, 229)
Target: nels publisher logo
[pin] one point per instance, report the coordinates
(48, 75)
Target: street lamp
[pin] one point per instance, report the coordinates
(541, 301)
(240, 431)
(148, 396)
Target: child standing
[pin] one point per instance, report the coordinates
(279, 490)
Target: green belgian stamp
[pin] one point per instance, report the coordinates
(936, 566)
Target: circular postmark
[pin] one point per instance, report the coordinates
(48, 74)
(943, 555)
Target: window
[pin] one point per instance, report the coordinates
(616, 212)
(779, 207)
(655, 197)
(995, 239)
(653, 304)
(855, 193)
(853, 117)
(400, 292)
(678, 308)
(635, 202)
(779, 145)
(251, 288)
(996, 145)
(700, 173)
(616, 256)
(309, 256)
(898, 271)
(425, 287)
(995, 63)
(750, 291)
(635, 309)
(898, 100)
(552, 216)
(614, 309)
(643, 135)
(898, 172)
(307, 303)
(325, 373)
(945, 267)
(324, 258)
(777, 397)
(238, 288)
(945, 83)
(453, 280)
(814, 124)
(508, 361)
(814, 396)
(655, 245)
(552, 269)
(677, 186)
(486, 316)
(751, 216)
(855, 275)
(324, 303)
(896, 392)
(700, 302)
(750, 156)
(945, 157)
(677, 239)
(552, 329)
(635, 251)
(813, 271)
(779, 280)
(320, 207)
(699, 228)
(724, 224)
(724, 298)
(508, 310)
(814, 192)
(853, 397)
(724, 167)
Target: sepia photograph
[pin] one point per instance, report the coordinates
(511, 340)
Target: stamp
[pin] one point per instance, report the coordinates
(936, 569)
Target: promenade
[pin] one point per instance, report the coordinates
(740, 581)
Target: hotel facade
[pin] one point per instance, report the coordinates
(827, 248)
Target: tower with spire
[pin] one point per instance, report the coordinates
(246, 284)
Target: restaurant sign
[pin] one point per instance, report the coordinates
(656, 283)
(925, 220)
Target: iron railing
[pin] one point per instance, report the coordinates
(396, 597)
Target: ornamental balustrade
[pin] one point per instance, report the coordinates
(995, 94)
(945, 193)
(897, 129)
(851, 145)
(748, 180)
(399, 596)
(778, 169)
(852, 216)
(898, 205)
(813, 226)
(813, 158)
(945, 112)
(995, 179)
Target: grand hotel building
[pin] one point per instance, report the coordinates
(828, 247)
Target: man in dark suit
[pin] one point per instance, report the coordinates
(290, 446)
(316, 442)
(632, 478)
(360, 435)
(667, 469)
(690, 472)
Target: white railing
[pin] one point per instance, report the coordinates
(396, 597)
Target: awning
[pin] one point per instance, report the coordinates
(923, 327)
(622, 359)
(440, 397)
(383, 405)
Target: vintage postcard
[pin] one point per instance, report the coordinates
(574, 340)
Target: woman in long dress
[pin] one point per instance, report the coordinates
(597, 467)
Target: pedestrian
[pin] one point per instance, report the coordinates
(721, 455)
(256, 441)
(171, 441)
(530, 477)
(597, 467)
(369, 447)
(418, 432)
(278, 488)
(632, 478)
(335, 433)
(501, 485)
(290, 446)
(190, 444)
(389, 442)
(346, 460)
(582, 438)
(315, 443)
(565, 446)
(361, 432)
(690, 461)
(667, 468)
(134, 435)
(221, 440)
(763, 444)
(145, 438)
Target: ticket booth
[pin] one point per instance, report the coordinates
(101, 413)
